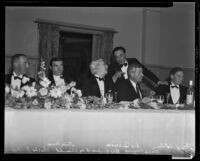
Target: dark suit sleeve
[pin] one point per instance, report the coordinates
(111, 71)
(147, 73)
(8, 79)
(122, 92)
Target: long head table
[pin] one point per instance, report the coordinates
(104, 131)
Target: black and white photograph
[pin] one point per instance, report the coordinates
(101, 79)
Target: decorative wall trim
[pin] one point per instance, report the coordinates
(167, 68)
(72, 25)
(34, 58)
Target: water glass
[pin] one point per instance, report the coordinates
(109, 97)
(160, 99)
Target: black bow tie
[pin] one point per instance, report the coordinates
(16, 77)
(101, 79)
(174, 86)
(125, 64)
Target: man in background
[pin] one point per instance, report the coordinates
(56, 72)
(118, 69)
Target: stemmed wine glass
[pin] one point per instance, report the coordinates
(167, 97)
(109, 97)
(160, 99)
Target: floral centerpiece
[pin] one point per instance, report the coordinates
(43, 95)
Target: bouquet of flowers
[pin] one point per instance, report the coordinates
(43, 95)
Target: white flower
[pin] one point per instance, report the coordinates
(25, 79)
(72, 95)
(7, 89)
(45, 82)
(55, 92)
(82, 106)
(72, 84)
(35, 102)
(73, 89)
(17, 94)
(25, 88)
(47, 105)
(79, 93)
(31, 91)
(43, 91)
(33, 84)
(63, 88)
(67, 98)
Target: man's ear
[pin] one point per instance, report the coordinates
(171, 76)
(15, 64)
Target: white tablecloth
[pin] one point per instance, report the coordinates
(144, 130)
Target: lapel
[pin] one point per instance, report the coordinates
(132, 89)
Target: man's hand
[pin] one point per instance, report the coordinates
(117, 75)
(145, 100)
(152, 93)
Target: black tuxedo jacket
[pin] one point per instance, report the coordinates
(90, 87)
(8, 79)
(50, 77)
(163, 89)
(148, 78)
(126, 91)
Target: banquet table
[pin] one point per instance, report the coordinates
(136, 131)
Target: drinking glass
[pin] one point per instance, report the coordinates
(160, 99)
(152, 98)
(109, 97)
(167, 97)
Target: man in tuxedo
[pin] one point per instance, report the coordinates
(118, 69)
(97, 83)
(19, 67)
(176, 91)
(56, 73)
(129, 89)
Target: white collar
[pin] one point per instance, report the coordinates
(96, 75)
(56, 76)
(133, 83)
(172, 84)
(14, 74)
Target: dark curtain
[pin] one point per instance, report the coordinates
(48, 42)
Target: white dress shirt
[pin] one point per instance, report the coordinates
(16, 83)
(134, 85)
(58, 80)
(101, 85)
(124, 70)
(175, 93)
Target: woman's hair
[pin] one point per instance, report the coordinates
(94, 65)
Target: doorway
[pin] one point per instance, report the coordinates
(76, 51)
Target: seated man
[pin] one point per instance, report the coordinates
(56, 73)
(177, 92)
(129, 89)
(18, 78)
(97, 83)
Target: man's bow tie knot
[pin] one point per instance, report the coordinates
(174, 86)
(16, 77)
(125, 64)
(101, 79)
